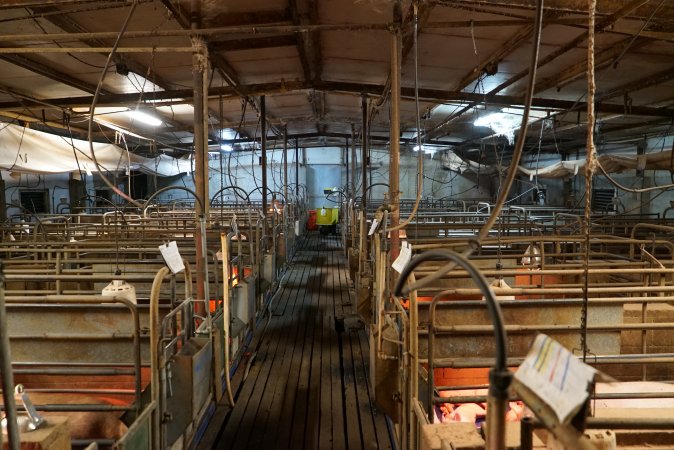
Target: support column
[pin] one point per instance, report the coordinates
(394, 151)
(285, 163)
(200, 88)
(297, 168)
(354, 158)
(346, 163)
(3, 201)
(263, 139)
(644, 197)
(77, 190)
(364, 146)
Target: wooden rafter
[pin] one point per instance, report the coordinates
(49, 72)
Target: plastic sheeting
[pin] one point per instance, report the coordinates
(31, 151)
(567, 169)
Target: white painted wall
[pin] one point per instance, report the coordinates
(240, 169)
(57, 185)
(326, 167)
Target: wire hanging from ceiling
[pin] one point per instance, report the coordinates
(92, 109)
(512, 172)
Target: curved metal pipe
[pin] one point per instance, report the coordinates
(155, 331)
(224, 242)
(6, 372)
(168, 188)
(499, 376)
(236, 190)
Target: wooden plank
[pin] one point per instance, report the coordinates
(297, 439)
(353, 433)
(314, 398)
(378, 418)
(336, 379)
(309, 387)
(284, 374)
(287, 427)
(364, 405)
(275, 382)
(240, 422)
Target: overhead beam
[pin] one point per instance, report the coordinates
(10, 4)
(423, 14)
(253, 43)
(429, 95)
(602, 25)
(268, 17)
(308, 43)
(70, 26)
(642, 83)
(604, 7)
(490, 63)
(49, 72)
(602, 58)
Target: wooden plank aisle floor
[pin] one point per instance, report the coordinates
(307, 387)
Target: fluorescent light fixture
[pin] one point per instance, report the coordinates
(227, 134)
(503, 124)
(115, 127)
(427, 149)
(101, 110)
(145, 118)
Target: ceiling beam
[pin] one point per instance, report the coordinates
(308, 43)
(256, 43)
(226, 71)
(604, 7)
(68, 25)
(269, 17)
(429, 95)
(642, 83)
(602, 58)
(10, 4)
(49, 72)
(423, 14)
(601, 26)
(490, 63)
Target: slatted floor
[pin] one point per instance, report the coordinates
(307, 387)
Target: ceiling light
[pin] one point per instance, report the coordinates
(427, 149)
(228, 134)
(145, 118)
(117, 128)
(503, 124)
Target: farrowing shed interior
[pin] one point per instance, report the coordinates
(337, 224)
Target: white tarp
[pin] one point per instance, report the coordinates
(30, 151)
(567, 169)
(454, 162)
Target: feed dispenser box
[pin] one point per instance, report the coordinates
(120, 288)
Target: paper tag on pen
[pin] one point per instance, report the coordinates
(403, 258)
(556, 376)
(373, 227)
(172, 257)
(233, 225)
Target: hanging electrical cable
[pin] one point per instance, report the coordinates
(420, 152)
(512, 171)
(94, 102)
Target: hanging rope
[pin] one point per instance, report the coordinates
(591, 162)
